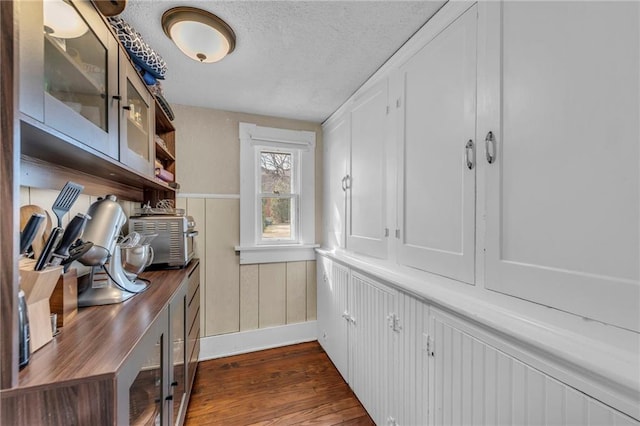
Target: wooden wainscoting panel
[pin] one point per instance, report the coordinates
(296, 292)
(222, 278)
(249, 300)
(272, 294)
(312, 292)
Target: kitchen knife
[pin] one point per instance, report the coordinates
(29, 231)
(71, 234)
(51, 243)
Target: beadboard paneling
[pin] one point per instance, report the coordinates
(476, 384)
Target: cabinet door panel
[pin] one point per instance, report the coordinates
(366, 209)
(336, 154)
(563, 197)
(333, 292)
(371, 346)
(438, 189)
(475, 383)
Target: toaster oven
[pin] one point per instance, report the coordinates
(173, 244)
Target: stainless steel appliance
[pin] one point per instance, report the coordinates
(107, 283)
(173, 245)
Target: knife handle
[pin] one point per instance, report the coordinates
(48, 249)
(71, 234)
(29, 231)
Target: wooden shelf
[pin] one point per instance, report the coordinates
(162, 153)
(50, 157)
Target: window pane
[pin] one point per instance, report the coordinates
(275, 172)
(276, 218)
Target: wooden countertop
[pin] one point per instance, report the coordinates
(99, 339)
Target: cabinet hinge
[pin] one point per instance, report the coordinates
(428, 345)
(386, 232)
(394, 322)
(397, 233)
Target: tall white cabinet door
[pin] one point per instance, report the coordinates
(371, 346)
(336, 142)
(367, 177)
(333, 295)
(437, 178)
(560, 92)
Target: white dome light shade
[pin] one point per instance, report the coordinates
(62, 20)
(199, 34)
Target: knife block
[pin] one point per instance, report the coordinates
(64, 300)
(37, 287)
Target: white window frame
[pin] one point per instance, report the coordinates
(252, 248)
(295, 196)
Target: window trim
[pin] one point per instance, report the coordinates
(294, 195)
(254, 138)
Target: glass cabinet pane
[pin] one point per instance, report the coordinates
(145, 393)
(179, 365)
(137, 122)
(75, 63)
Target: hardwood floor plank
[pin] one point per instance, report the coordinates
(296, 384)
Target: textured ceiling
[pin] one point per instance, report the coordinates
(293, 59)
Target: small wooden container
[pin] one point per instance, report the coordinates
(64, 300)
(37, 287)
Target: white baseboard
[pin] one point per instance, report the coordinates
(212, 347)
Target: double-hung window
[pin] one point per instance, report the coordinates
(277, 193)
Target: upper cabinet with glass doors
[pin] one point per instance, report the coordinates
(137, 149)
(69, 71)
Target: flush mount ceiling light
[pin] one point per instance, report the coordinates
(61, 20)
(200, 35)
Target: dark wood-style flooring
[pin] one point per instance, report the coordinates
(293, 385)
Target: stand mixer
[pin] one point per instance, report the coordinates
(107, 282)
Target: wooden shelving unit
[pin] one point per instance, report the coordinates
(165, 130)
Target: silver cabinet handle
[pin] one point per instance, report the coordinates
(344, 183)
(469, 154)
(490, 147)
(348, 181)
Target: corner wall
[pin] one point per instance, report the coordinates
(237, 298)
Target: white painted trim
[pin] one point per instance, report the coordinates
(275, 254)
(218, 196)
(213, 347)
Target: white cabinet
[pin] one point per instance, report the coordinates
(436, 208)
(366, 181)
(474, 382)
(333, 314)
(371, 350)
(559, 91)
(336, 141)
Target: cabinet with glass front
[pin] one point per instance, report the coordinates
(69, 71)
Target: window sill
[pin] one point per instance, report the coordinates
(276, 253)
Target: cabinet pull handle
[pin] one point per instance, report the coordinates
(169, 398)
(344, 183)
(127, 107)
(348, 181)
(490, 147)
(174, 384)
(469, 154)
(117, 97)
